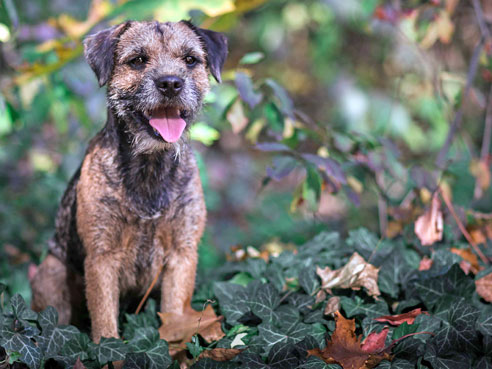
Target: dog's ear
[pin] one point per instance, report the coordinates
(215, 44)
(99, 50)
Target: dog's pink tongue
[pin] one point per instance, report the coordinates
(168, 123)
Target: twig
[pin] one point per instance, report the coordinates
(484, 30)
(472, 71)
(149, 290)
(462, 228)
(487, 132)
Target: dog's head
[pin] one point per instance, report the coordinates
(157, 76)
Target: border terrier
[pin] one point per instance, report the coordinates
(136, 202)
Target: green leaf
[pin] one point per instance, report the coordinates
(484, 322)
(283, 356)
(396, 364)
(143, 339)
(265, 301)
(314, 362)
(247, 90)
(286, 105)
(194, 347)
(204, 133)
(454, 283)
(404, 329)
(30, 354)
(391, 274)
(53, 339)
(458, 331)
(159, 355)
(77, 347)
(309, 280)
(233, 300)
(136, 361)
(20, 310)
(109, 350)
(356, 306)
(271, 335)
(252, 58)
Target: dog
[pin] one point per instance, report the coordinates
(136, 202)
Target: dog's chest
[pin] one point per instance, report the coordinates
(145, 250)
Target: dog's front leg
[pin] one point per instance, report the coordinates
(178, 280)
(102, 291)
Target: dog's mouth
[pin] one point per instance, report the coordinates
(167, 123)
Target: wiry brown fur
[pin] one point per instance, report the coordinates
(136, 202)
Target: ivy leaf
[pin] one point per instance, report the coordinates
(283, 356)
(29, 353)
(314, 362)
(265, 301)
(484, 323)
(233, 300)
(356, 306)
(136, 361)
(77, 347)
(158, 355)
(53, 338)
(458, 331)
(109, 350)
(20, 310)
(431, 288)
(143, 339)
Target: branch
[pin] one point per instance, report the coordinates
(462, 227)
(487, 132)
(472, 71)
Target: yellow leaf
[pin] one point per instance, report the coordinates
(236, 117)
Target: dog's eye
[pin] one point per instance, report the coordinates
(190, 60)
(138, 62)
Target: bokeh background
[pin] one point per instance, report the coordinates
(331, 115)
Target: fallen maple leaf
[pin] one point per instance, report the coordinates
(220, 354)
(355, 274)
(346, 349)
(468, 256)
(396, 320)
(177, 329)
(429, 226)
(484, 287)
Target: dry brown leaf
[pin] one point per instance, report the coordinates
(425, 263)
(320, 297)
(220, 354)
(346, 349)
(355, 274)
(332, 306)
(177, 329)
(429, 226)
(468, 256)
(480, 170)
(484, 287)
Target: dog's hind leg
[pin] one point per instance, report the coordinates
(50, 287)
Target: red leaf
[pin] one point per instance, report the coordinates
(374, 342)
(396, 320)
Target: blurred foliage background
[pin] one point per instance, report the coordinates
(331, 115)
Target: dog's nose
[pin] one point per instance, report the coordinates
(169, 85)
